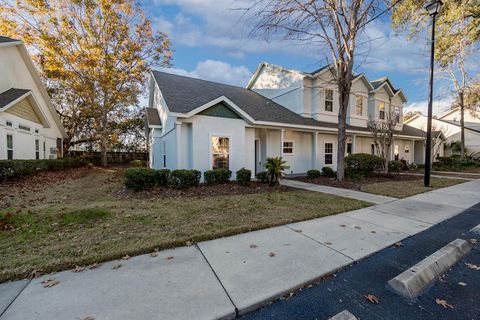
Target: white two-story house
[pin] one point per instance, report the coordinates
(203, 125)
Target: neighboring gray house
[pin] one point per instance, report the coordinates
(199, 124)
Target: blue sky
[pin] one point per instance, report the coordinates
(212, 41)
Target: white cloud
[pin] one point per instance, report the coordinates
(217, 71)
(439, 105)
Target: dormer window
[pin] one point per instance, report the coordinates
(328, 100)
(381, 108)
(358, 105)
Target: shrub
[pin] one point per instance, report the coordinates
(138, 163)
(395, 166)
(355, 176)
(244, 176)
(217, 176)
(161, 177)
(328, 172)
(262, 176)
(313, 174)
(140, 178)
(363, 163)
(182, 178)
(275, 169)
(19, 168)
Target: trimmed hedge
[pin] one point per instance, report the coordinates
(161, 177)
(328, 172)
(19, 168)
(395, 166)
(217, 176)
(363, 163)
(140, 178)
(313, 174)
(182, 178)
(244, 176)
(262, 176)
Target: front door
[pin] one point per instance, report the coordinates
(257, 156)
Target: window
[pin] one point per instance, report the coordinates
(328, 153)
(328, 100)
(397, 155)
(288, 147)
(397, 115)
(349, 148)
(9, 124)
(37, 149)
(358, 105)
(164, 154)
(9, 147)
(372, 149)
(407, 148)
(381, 108)
(22, 127)
(220, 152)
(36, 130)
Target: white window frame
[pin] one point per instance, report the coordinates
(356, 105)
(325, 99)
(12, 148)
(9, 123)
(397, 114)
(292, 147)
(37, 149)
(330, 153)
(210, 148)
(380, 110)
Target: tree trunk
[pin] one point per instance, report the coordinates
(462, 123)
(103, 141)
(342, 134)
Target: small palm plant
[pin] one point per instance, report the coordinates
(275, 169)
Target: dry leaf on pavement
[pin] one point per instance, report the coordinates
(36, 274)
(89, 318)
(463, 284)
(95, 265)
(153, 254)
(50, 283)
(398, 244)
(126, 257)
(117, 266)
(328, 243)
(253, 246)
(189, 243)
(78, 269)
(271, 254)
(169, 258)
(443, 303)
(372, 298)
(472, 266)
(473, 241)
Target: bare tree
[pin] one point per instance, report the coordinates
(333, 24)
(383, 132)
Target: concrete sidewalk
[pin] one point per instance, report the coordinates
(347, 193)
(225, 277)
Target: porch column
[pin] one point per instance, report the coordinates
(314, 149)
(412, 152)
(282, 138)
(179, 143)
(354, 144)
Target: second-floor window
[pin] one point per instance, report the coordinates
(397, 115)
(328, 100)
(358, 105)
(381, 108)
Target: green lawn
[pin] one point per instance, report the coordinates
(402, 189)
(87, 219)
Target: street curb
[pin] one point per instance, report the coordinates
(344, 315)
(416, 279)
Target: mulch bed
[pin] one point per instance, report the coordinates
(357, 184)
(226, 189)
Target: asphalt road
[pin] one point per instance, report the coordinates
(347, 288)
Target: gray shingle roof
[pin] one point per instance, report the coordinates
(184, 94)
(7, 39)
(10, 95)
(153, 118)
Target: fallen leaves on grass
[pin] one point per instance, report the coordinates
(253, 246)
(117, 266)
(36, 274)
(472, 266)
(95, 265)
(126, 257)
(78, 269)
(271, 254)
(372, 298)
(443, 303)
(50, 283)
(189, 243)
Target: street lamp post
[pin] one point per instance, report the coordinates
(433, 8)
